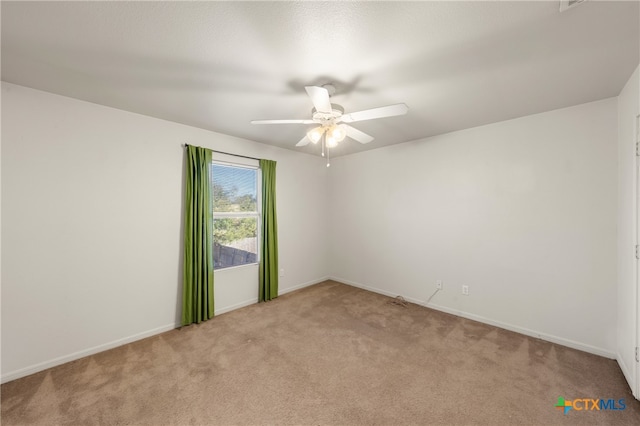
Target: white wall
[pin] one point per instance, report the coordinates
(521, 211)
(628, 108)
(91, 226)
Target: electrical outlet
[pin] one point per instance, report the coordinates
(465, 290)
(282, 272)
(439, 284)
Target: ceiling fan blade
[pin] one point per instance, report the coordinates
(357, 135)
(320, 98)
(293, 121)
(304, 141)
(370, 114)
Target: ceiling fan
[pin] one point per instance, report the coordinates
(331, 120)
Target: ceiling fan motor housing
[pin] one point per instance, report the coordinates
(328, 118)
(331, 89)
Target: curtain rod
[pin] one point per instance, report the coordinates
(228, 153)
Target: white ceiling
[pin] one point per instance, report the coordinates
(218, 65)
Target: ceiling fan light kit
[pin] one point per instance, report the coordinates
(331, 119)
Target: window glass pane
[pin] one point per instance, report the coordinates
(234, 189)
(235, 241)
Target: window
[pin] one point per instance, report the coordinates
(235, 215)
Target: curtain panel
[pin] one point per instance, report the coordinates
(197, 292)
(268, 269)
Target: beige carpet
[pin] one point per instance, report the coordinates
(327, 354)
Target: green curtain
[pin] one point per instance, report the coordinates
(269, 244)
(197, 292)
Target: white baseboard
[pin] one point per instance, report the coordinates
(83, 353)
(303, 285)
(280, 293)
(100, 348)
(543, 336)
(235, 306)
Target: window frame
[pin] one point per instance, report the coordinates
(229, 160)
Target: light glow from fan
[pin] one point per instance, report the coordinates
(315, 134)
(332, 133)
(338, 133)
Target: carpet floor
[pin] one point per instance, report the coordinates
(326, 354)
